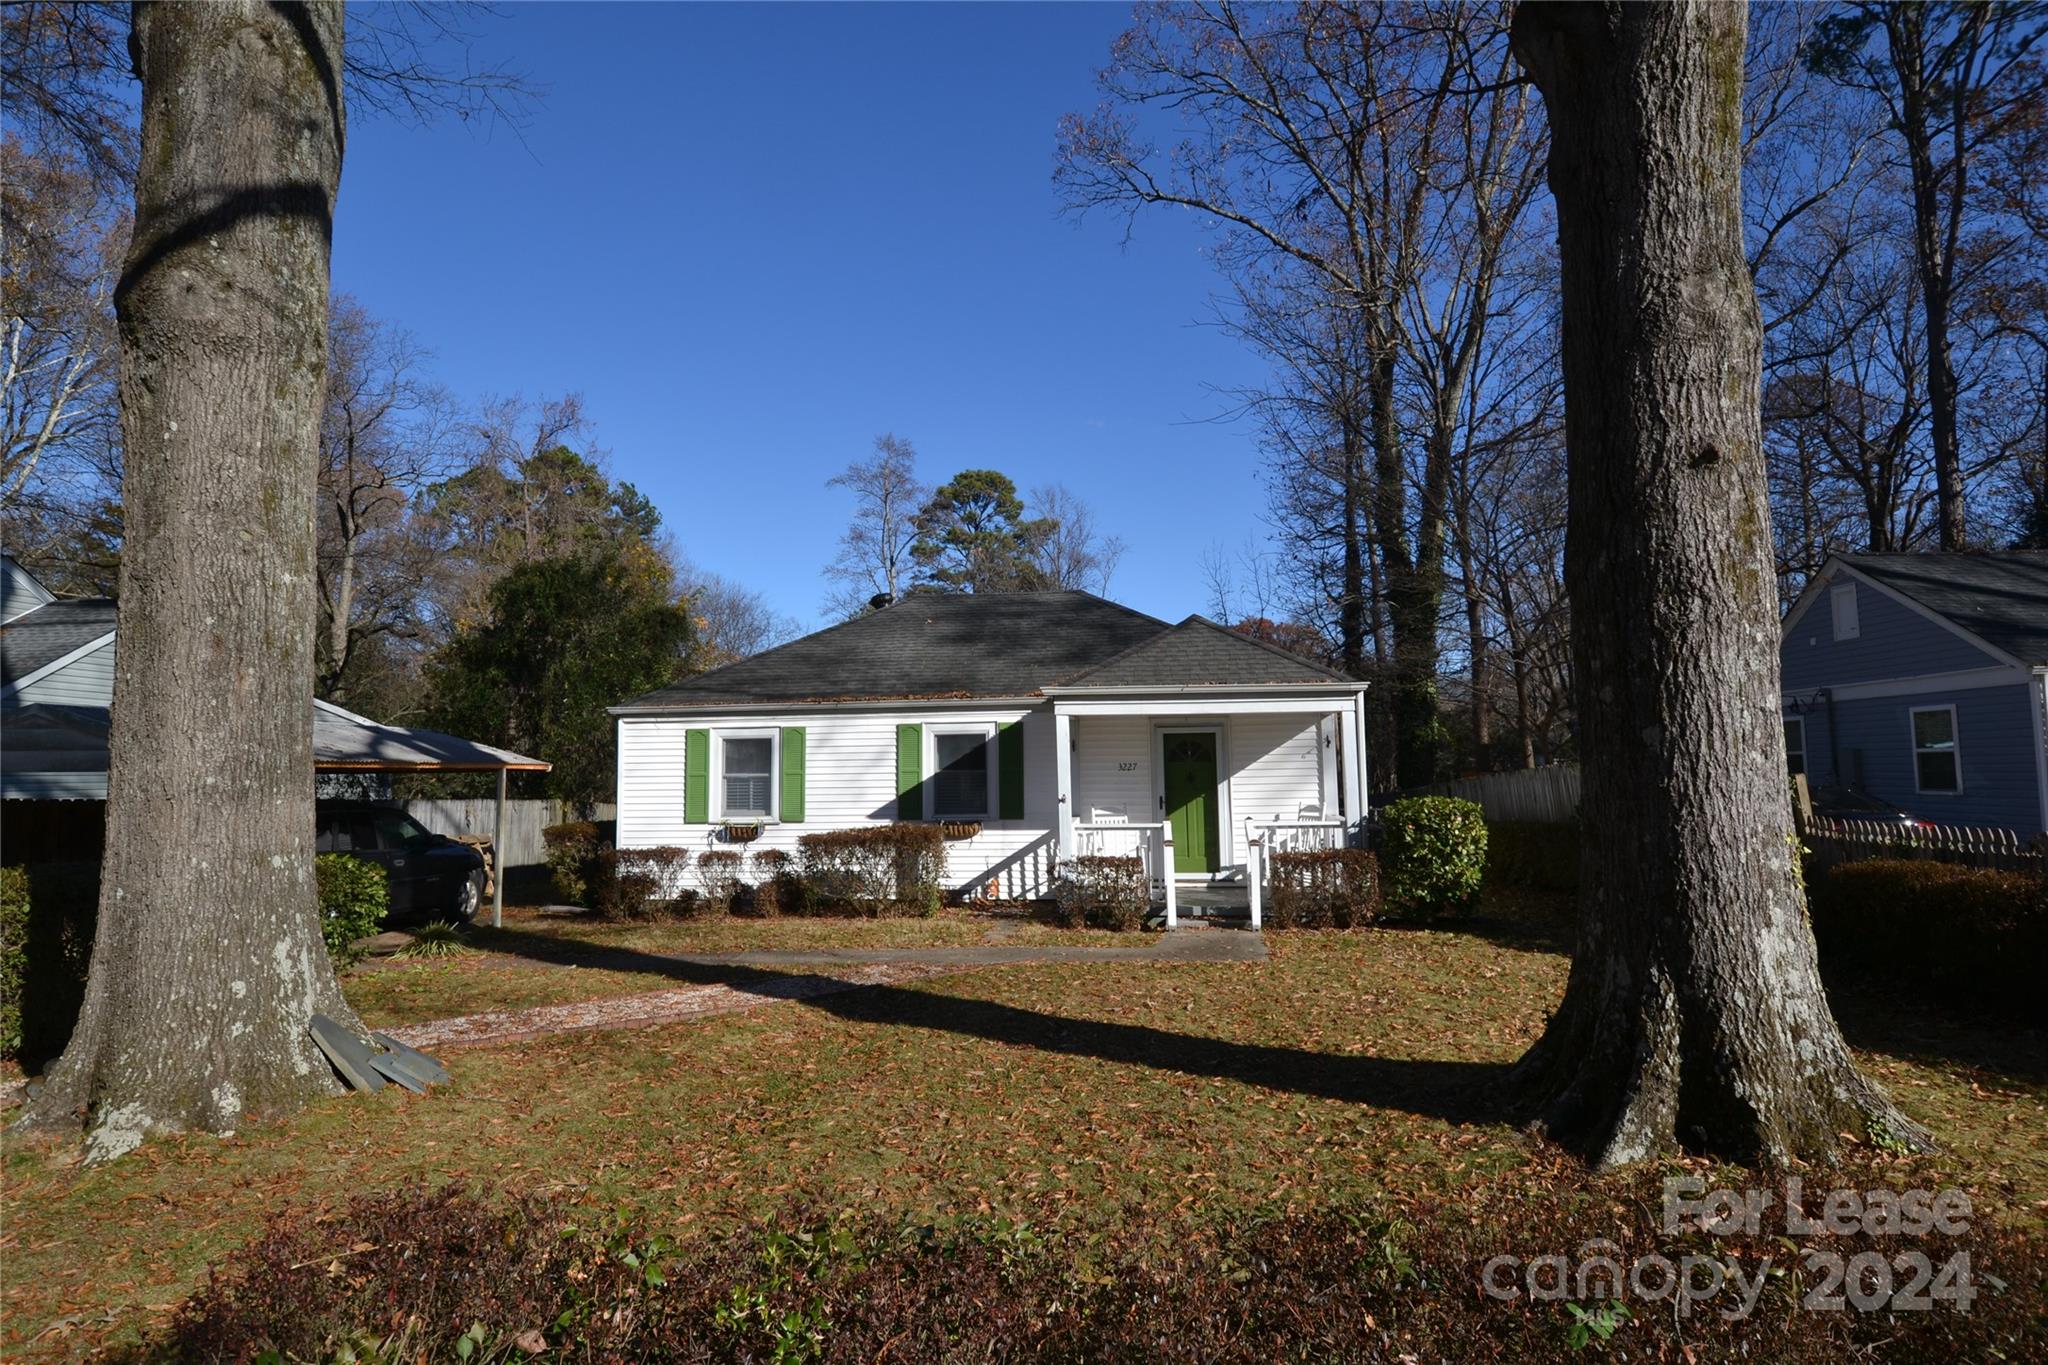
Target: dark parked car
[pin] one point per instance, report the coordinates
(1840, 803)
(431, 875)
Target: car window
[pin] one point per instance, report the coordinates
(399, 832)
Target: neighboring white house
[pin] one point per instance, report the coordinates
(1056, 722)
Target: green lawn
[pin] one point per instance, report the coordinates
(1346, 1066)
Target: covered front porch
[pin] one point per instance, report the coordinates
(1204, 783)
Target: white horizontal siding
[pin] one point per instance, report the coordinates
(1272, 766)
(849, 783)
(1275, 771)
(85, 681)
(651, 784)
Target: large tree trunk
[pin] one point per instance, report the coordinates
(209, 958)
(1694, 1015)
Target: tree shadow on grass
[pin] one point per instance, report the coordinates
(1875, 1018)
(1456, 1092)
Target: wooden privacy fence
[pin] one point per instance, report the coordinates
(524, 820)
(1538, 796)
(1846, 841)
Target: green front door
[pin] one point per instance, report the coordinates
(1189, 777)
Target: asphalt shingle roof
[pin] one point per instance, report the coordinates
(45, 635)
(2000, 598)
(943, 645)
(1200, 653)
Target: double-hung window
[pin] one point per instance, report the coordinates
(1795, 744)
(747, 776)
(1937, 756)
(960, 773)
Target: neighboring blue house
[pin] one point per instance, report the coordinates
(1922, 680)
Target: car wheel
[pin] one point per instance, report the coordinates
(469, 898)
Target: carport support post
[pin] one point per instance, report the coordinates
(498, 855)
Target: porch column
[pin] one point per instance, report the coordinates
(1063, 767)
(498, 857)
(1354, 769)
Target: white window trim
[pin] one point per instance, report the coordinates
(1839, 593)
(774, 738)
(986, 731)
(1955, 730)
(1799, 721)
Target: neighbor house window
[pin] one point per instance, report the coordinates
(1937, 761)
(1795, 744)
(748, 776)
(960, 767)
(1842, 600)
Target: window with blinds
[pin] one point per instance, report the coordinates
(749, 777)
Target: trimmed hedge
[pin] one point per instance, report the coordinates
(1970, 936)
(1331, 888)
(355, 895)
(718, 872)
(1545, 857)
(1102, 891)
(776, 890)
(1432, 855)
(882, 869)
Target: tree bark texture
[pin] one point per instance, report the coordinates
(1694, 1015)
(209, 958)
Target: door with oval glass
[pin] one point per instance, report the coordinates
(1188, 793)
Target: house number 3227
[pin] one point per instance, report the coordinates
(1127, 767)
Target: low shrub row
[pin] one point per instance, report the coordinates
(1332, 888)
(1968, 936)
(414, 1274)
(883, 870)
(1102, 891)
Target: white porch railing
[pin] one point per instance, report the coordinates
(1152, 844)
(1264, 838)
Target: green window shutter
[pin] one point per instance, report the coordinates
(1010, 770)
(910, 772)
(696, 777)
(793, 773)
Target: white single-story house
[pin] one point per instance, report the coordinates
(1034, 725)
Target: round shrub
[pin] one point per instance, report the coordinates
(354, 897)
(1432, 855)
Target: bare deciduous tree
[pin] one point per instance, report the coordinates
(874, 552)
(1073, 554)
(387, 432)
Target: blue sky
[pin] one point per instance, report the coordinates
(754, 237)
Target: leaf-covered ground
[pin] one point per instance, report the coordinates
(1346, 1066)
(547, 960)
